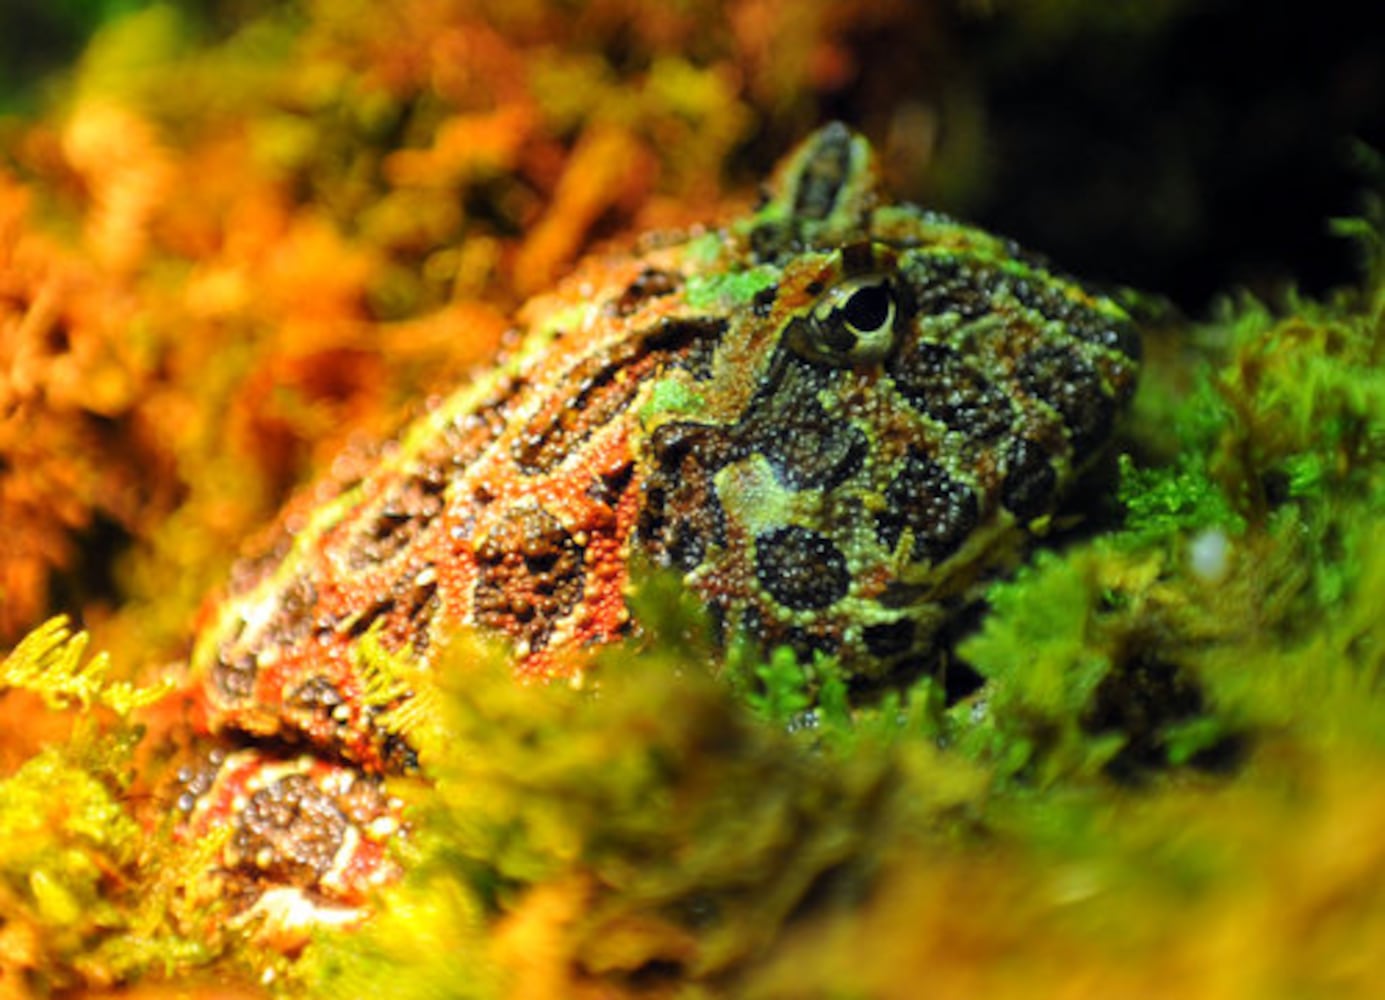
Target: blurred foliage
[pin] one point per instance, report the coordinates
(86, 897)
(37, 37)
(650, 835)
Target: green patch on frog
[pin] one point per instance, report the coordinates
(726, 291)
(704, 250)
(670, 396)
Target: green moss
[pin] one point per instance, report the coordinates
(63, 835)
(101, 895)
(782, 694)
(1172, 500)
(655, 823)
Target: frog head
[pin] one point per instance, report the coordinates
(900, 405)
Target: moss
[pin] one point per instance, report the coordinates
(93, 897)
(1173, 500)
(51, 661)
(654, 830)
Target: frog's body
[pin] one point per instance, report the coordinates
(831, 417)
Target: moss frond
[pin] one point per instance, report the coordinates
(51, 661)
(649, 819)
(1181, 499)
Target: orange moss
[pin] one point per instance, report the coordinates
(608, 171)
(66, 382)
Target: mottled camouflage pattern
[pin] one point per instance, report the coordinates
(833, 417)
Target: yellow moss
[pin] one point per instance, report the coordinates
(52, 662)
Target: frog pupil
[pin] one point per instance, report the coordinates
(868, 308)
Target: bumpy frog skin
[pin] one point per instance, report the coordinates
(833, 417)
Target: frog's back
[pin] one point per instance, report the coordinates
(833, 418)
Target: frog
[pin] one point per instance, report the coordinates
(833, 418)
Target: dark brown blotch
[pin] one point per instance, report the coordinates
(587, 397)
(233, 675)
(529, 575)
(690, 344)
(806, 447)
(939, 510)
(1030, 482)
(809, 449)
(938, 381)
(801, 569)
(651, 283)
(609, 487)
(461, 441)
(953, 285)
(1071, 385)
(418, 597)
(890, 638)
(317, 695)
(358, 624)
(401, 515)
(763, 302)
(289, 832)
(681, 517)
(296, 614)
(1083, 322)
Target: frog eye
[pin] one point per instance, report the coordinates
(851, 323)
(868, 310)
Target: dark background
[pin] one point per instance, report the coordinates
(1204, 157)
